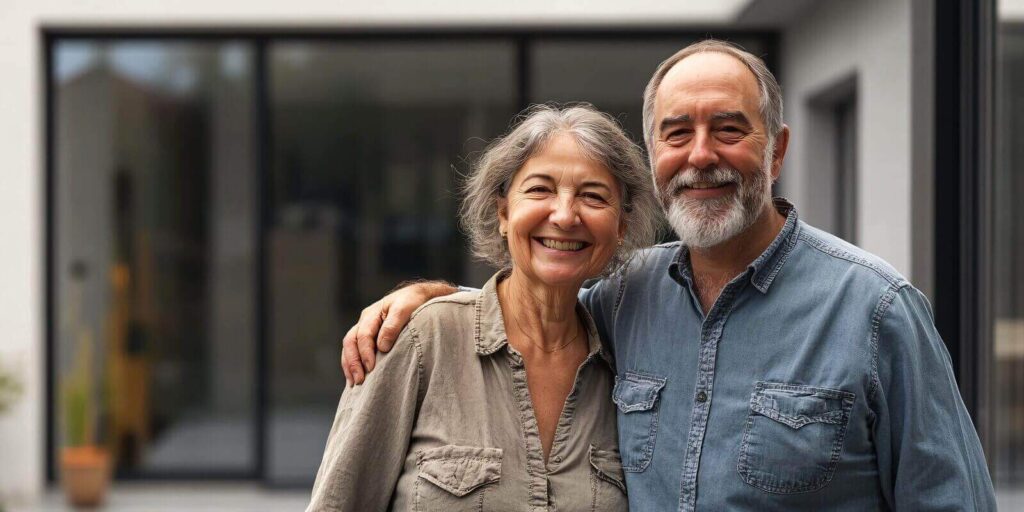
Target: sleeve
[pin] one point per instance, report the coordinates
(929, 455)
(367, 446)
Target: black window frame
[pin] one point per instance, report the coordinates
(964, 88)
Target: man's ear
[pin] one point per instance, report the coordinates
(781, 144)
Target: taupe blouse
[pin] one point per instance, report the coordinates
(445, 422)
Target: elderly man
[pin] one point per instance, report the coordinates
(762, 364)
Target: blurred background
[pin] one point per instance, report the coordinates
(198, 198)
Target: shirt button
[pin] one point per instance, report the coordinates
(702, 396)
(557, 459)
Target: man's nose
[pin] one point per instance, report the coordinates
(702, 154)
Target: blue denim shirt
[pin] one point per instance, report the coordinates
(817, 381)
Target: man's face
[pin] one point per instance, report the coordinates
(713, 159)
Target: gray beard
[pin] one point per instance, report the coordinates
(704, 223)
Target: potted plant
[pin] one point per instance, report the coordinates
(85, 465)
(10, 388)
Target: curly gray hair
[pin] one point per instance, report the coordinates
(599, 137)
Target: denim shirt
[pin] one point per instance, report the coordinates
(817, 381)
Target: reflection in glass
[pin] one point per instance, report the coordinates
(366, 139)
(154, 249)
(1006, 448)
(607, 73)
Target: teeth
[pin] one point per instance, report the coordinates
(561, 246)
(705, 185)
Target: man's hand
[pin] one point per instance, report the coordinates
(380, 323)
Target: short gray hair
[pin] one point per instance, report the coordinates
(770, 104)
(599, 137)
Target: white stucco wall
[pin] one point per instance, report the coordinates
(872, 40)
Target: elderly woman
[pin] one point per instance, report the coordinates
(499, 399)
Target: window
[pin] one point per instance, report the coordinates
(1006, 384)
(832, 146)
(223, 206)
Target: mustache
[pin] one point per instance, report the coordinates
(716, 176)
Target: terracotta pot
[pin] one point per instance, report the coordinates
(85, 475)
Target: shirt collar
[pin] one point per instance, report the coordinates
(489, 328)
(766, 266)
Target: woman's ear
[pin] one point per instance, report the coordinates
(503, 215)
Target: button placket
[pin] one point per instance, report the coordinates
(711, 333)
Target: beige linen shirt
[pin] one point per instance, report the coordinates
(445, 423)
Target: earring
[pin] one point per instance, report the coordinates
(502, 233)
(620, 242)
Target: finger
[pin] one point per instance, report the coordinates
(349, 339)
(397, 316)
(352, 364)
(366, 336)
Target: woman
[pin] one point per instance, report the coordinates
(498, 399)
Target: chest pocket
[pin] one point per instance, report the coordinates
(636, 395)
(455, 478)
(793, 437)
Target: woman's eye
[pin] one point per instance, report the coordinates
(594, 197)
(536, 189)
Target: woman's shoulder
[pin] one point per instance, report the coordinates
(444, 319)
(445, 308)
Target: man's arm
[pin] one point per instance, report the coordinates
(929, 455)
(381, 322)
(367, 446)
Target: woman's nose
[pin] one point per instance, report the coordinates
(564, 215)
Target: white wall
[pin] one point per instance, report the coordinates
(871, 39)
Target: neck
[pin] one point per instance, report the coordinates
(543, 314)
(730, 258)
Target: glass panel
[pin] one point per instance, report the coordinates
(1006, 447)
(611, 74)
(366, 140)
(154, 253)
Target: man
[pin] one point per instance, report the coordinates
(762, 364)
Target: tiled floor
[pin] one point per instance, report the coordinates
(200, 497)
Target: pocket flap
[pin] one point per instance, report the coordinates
(459, 469)
(608, 466)
(798, 406)
(636, 392)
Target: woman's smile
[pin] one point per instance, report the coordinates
(562, 245)
(562, 215)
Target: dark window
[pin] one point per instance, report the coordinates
(153, 264)
(1006, 382)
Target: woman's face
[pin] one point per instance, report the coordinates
(562, 215)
